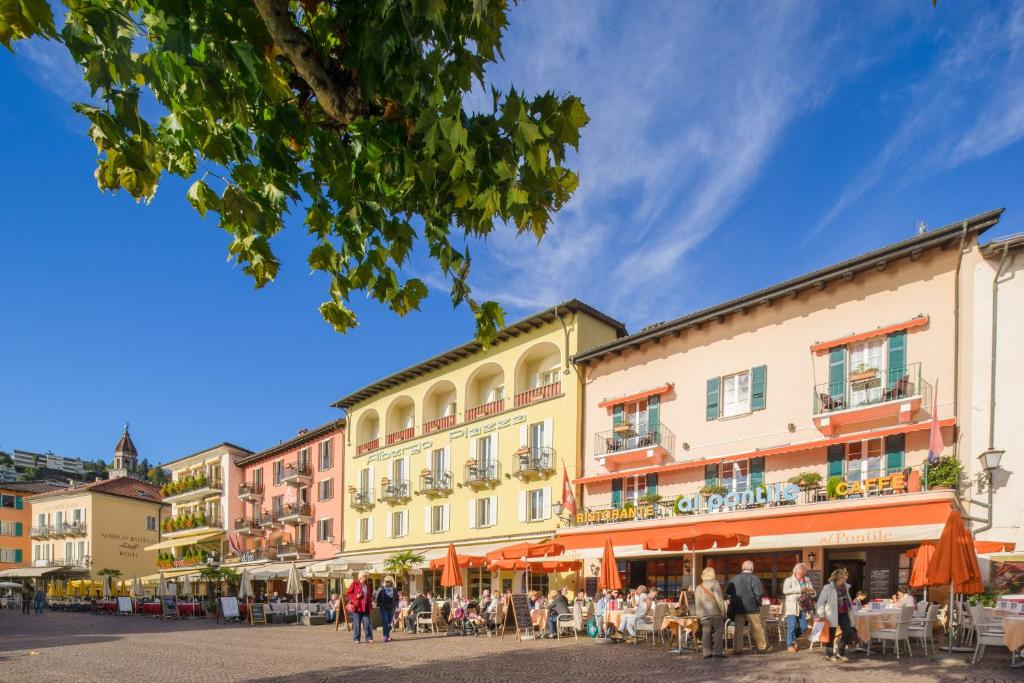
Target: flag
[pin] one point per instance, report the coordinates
(935, 444)
(233, 544)
(568, 499)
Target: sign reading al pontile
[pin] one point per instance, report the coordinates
(469, 432)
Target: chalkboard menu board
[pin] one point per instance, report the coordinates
(170, 607)
(517, 614)
(257, 613)
(879, 583)
(124, 605)
(590, 585)
(228, 607)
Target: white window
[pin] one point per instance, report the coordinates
(303, 458)
(536, 435)
(76, 515)
(485, 452)
(864, 460)
(82, 553)
(364, 479)
(8, 555)
(449, 409)
(439, 462)
(399, 521)
(867, 369)
(736, 394)
(399, 470)
(326, 456)
(326, 489)
(538, 504)
(365, 529)
(634, 488)
(69, 551)
(496, 393)
(278, 471)
(735, 475)
(150, 523)
(483, 512)
(438, 519)
(325, 529)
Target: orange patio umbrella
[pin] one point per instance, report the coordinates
(451, 576)
(954, 561)
(525, 551)
(464, 561)
(922, 558)
(986, 547)
(609, 578)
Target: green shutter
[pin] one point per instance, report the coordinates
(837, 372)
(836, 456)
(18, 529)
(758, 387)
(652, 484)
(616, 493)
(17, 555)
(18, 503)
(654, 417)
(756, 472)
(711, 474)
(618, 416)
(894, 453)
(897, 358)
(714, 391)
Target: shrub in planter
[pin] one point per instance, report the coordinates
(945, 473)
(832, 487)
(806, 480)
(650, 498)
(201, 519)
(713, 489)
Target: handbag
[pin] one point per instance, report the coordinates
(806, 602)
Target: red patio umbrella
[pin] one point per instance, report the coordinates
(609, 578)
(955, 562)
(922, 558)
(451, 576)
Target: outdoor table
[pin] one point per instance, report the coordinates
(866, 619)
(539, 617)
(614, 616)
(1013, 636)
(189, 609)
(154, 608)
(106, 605)
(680, 624)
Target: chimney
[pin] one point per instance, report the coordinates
(303, 431)
(922, 228)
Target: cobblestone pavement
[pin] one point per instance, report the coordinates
(86, 647)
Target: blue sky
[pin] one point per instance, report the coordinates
(732, 145)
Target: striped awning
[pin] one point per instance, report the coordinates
(187, 539)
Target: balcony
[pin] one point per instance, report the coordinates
(435, 482)
(248, 526)
(869, 394)
(400, 435)
(297, 513)
(297, 474)
(534, 462)
(525, 398)
(73, 563)
(68, 529)
(270, 519)
(366, 447)
(292, 551)
(186, 523)
(485, 409)
(44, 531)
(446, 422)
(361, 499)
(633, 445)
(192, 488)
(250, 491)
(396, 491)
(481, 475)
(856, 488)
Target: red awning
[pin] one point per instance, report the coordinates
(791, 448)
(522, 551)
(821, 347)
(635, 397)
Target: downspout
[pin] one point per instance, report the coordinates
(987, 523)
(956, 337)
(565, 352)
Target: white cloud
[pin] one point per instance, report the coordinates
(52, 67)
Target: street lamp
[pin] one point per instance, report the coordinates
(989, 461)
(560, 512)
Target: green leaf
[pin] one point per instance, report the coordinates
(203, 198)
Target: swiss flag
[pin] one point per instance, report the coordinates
(568, 499)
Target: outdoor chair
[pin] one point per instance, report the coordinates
(899, 389)
(437, 617)
(923, 628)
(900, 633)
(985, 632)
(426, 620)
(829, 404)
(566, 622)
(920, 609)
(653, 626)
(730, 634)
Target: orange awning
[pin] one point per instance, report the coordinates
(527, 551)
(691, 540)
(955, 560)
(609, 578)
(465, 562)
(640, 395)
(780, 450)
(853, 338)
(986, 547)
(538, 567)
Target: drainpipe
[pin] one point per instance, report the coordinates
(987, 523)
(956, 335)
(565, 351)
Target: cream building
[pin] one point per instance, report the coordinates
(469, 447)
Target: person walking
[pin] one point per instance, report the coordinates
(358, 602)
(40, 600)
(745, 591)
(835, 605)
(800, 594)
(26, 599)
(386, 599)
(710, 604)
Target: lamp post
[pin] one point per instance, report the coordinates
(564, 517)
(989, 460)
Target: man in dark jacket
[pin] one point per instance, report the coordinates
(745, 593)
(557, 606)
(420, 603)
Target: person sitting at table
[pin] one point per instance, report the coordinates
(421, 603)
(711, 607)
(903, 598)
(627, 623)
(332, 609)
(861, 599)
(557, 606)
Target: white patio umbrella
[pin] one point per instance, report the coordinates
(244, 586)
(294, 586)
(137, 591)
(186, 586)
(106, 586)
(161, 587)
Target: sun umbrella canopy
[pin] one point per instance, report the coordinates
(465, 562)
(522, 551)
(294, 586)
(692, 540)
(922, 558)
(609, 578)
(244, 585)
(451, 576)
(161, 587)
(186, 585)
(955, 560)
(106, 586)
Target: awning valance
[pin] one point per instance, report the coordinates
(821, 347)
(28, 572)
(629, 398)
(187, 539)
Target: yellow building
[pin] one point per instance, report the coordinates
(107, 524)
(470, 446)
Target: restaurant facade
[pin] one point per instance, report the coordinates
(470, 447)
(799, 415)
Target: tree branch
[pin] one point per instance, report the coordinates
(341, 103)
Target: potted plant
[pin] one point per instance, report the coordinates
(832, 486)
(650, 498)
(523, 450)
(806, 480)
(945, 474)
(201, 519)
(351, 489)
(862, 372)
(426, 472)
(384, 481)
(623, 428)
(471, 462)
(712, 490)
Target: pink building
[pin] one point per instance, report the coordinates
(290, 498)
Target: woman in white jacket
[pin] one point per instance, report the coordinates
(835, 604)
(795, 588)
